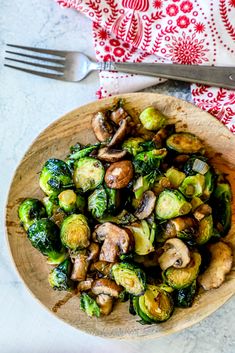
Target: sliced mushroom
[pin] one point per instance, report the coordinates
(99, 233)
(103, 267)
(119, 174)
(179, 224)
(118, 115)
(93, 252)
(146, 205)
(220, 264)
(105, 303)
(120, 133)
(117, 241)
(106, 286)
(85, 285)
(162, 135)
(111, 155)
(80, 268)
(175, 254)
(101, 127)
(202, 211)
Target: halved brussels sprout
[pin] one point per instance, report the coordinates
(152, 119)
(205, 230)
(55, 176)
(59, 277)
(155, 305)
(44, 235)
(131, 277)
(133, 145)
(175, 176)
(184, 297)
(147, 162)
(184, 142)
(29, 211)
(89, 305)
(143, 239)
(97, 202)
(67, 200)
(88, 174)
(179, 278)
(75, 232)
(193, 186)
(171, 203)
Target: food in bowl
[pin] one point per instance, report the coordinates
(138, 216)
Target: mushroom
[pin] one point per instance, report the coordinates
(220, 264)
(105, 303)
(202, 211)
(161, 136)
(85, 285)
(120, 133)
(117, 241)
(100, 232)
(175, 254)
(93, 252)
(118, 115)
(179, 224)
(106, 286)
(103, 267)
(110, 155)
(101, 127)
(80, 267)
(119, 174)
(146, 205)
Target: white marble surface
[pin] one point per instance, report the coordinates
(27, 105)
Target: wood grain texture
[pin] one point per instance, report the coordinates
(54, 142)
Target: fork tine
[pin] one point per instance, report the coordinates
(40, 50)
(37, 73)
(48, 67)
(35, 57)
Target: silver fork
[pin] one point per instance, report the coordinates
(74, 66)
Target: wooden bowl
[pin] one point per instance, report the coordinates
(54, 141)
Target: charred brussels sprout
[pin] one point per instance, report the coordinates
(29, 211)
(155, 305)
(170, 204)
(131, 277)
(184, 142)
(75, 232)
(147, 162)
(67, 200)
(55, 177)
(175, 177)
(89, 305)
(205, 230)
(44, 235)
(143, 238)
(59, 277)
(193, 186)
(179, 278)
(97, 202)
(88, 174)
(133, 145)
(152, 119)
(184, 297)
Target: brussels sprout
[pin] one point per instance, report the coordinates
(144, 183)
(171, 203)
(175, 177)
(179, 278)
(155, 305)
(193, 186)
(152, 119)
(133, 145)
(184, 297)
(51, 205)
(55, 177)
(222, 209)
(80, 203)
(210, 179)
(97, 202)
(124, 218)
(189, 164)
(67, 200)
(129, 276)
(59, 277)
(113, 198)
(184, 142)
(44, 235)
(205, 230)
(89, 305)
(29, 211)
(88, 174)
(75, 232)
(147, 162)
(143, 240)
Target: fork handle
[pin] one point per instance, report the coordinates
(218, 76)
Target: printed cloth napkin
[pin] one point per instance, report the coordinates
(179, 31)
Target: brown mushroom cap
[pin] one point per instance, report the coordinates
(220, 265)
(102, 129)
(93, 252)
(119, 174)
(105, 303)
(106, 286)
(110, 155)
(80, 268)
(120, 133)
(179, 224)
(175, 254)
(118, 115)
(146, 205)
(103, 267)
(100, 232)
(85, 285)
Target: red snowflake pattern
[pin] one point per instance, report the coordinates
(187, 50)
(199, 27)
(186, 6)
(157, 4)
(102, 34)
(172, 10)
(183, 21)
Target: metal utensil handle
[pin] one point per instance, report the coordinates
(218, 76)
